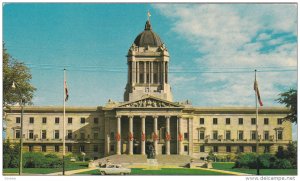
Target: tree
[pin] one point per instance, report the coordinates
(289, 98)
(17, 72)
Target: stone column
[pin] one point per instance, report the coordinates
(155, 133)
(152, 77)
(130, 139)
(158, 73)
(163, 72)
(168, 135)
(145, 72)
(133, 72)
(190, 128)
(137, 72)
(118, 136)
(166, 74)
(143, 136)
(180, 145)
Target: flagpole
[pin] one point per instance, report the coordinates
(64, 125)
(257, 156)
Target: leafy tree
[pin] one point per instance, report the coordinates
(17, 72)
(289, 98)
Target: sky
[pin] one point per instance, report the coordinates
(214, 49)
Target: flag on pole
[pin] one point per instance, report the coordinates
(66, 92)
(257, 92)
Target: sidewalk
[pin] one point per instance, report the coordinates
(70, 172)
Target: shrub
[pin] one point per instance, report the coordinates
(283, 164)
(266, 160)
(246, 160)
(6, 160)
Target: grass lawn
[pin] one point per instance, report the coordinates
(163, 171)
(70, 166)
(228, 167)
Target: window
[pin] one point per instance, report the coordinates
(155, 78)
(95, 148)
(70, 134)
(112, 135)
(69, 147)
(44, 134)
(228, 149)
(57, 120)
(56, 134)
(82, 148)
(44, 120)
(266, 135)
(215, 149)
(253, 148)
(279, 135)
(30, 148)
(241, 149)
(215, 135)
(241, 135)
(82, 120)
(31, 120)
(141, 78)
(96, 120)
(18, 120)
(44, 148)
(186, 148)
(267, 149)
(266, 121)
(253, 121)
(228, 135)
(96, 135)
(202, 148)
(201, 120)
(30, 136)
(112, 148)
(70, 120)
(186, 136)
(201, 135)
(241, 121)
(279, 121)
(82, 136)
(56, 148)
(18, 134)
(227, 120)
(253, 135)
(215, 120)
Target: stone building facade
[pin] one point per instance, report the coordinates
(149, 115)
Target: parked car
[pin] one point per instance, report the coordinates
(114, 169)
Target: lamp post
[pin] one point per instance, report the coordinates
(21, 131)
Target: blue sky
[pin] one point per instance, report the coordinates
(214, 49)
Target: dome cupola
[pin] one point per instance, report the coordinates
(148, 37)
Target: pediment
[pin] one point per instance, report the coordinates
(149, 102)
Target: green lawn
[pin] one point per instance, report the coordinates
(163, 171)
(70, 166)
(228, 167)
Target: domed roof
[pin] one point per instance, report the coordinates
(148, 37)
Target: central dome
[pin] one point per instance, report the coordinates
(148, 37)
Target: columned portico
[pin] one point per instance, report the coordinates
(168, 135)
(155, 137)
(143, 135)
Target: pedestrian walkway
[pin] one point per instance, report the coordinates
(71, 172)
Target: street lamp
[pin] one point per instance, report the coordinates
(21, 131)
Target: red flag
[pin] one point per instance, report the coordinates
(257, 93)
(66, 92)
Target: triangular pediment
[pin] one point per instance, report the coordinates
(150, 102)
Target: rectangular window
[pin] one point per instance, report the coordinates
(227, 120)
(215, 120)
(266, 135)
(44, 134)
(241, 149)
(30, 136)
(112, 148)
(69, 147)
(31, 120)
(241, 135)
(44, 148)
(279, 135)
(241, 121)
(82, 120)
(95, 148)
(57, 120)
(44, 120)
(253, 121)
(56, 148)
(82, 148)
(279, 121)
(96, 120)
(253, 148)
(201, 120)
(186, 148)
(186, 136)
(112, 135)
(202, 148)
(215, 135)
(30, 148)
(266, 121)
(228, 149)
(253, 135)
(96, 135)
(70, 134)
(18, 120)
(201, 135)
(82, 136)
(215, 149)
(56, 134)
(70, 120)
(228, 135)
(267, 149)
(18, 134)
